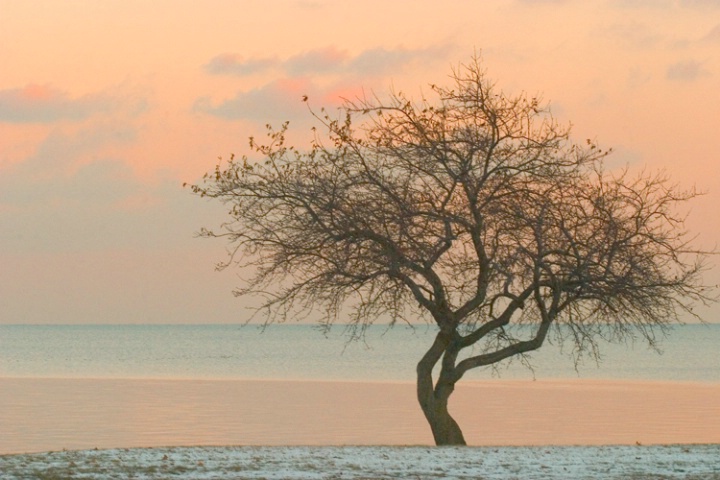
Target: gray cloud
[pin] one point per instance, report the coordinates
(98, 206)
(102, 182)
(652, 4)
(324, 60)
(380, 61)
(664, 4)
(541, 2)
(57, 200)
(700, 3)
(309, 5)
(45, 104)
(660, 4)
(106, 181)
(636, 35)
(231, 64)
(280, 100)
(377, 61)
(713, 36)
(269, 102)
(60, 152)
(686, 71)
(64, 212)
(328, 60)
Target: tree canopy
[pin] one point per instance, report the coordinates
(473, 210)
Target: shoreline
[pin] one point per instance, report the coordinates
(602, 381)
(51, 414)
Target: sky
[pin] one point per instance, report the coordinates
(108, 107)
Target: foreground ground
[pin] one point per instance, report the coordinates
(305, 463)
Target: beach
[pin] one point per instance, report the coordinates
(698, 462)
(39, 415)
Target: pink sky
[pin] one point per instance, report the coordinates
(107, 107)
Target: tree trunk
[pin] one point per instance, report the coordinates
(445, 429)
(434, 399)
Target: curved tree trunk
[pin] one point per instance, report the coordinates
(445, 429)
(434, 399)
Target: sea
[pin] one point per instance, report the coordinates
(688, 352)
(121, 386)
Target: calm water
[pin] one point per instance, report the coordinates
(689, 353)
(80, 387)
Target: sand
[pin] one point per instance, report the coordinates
(38, 415)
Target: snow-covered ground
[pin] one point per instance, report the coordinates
(339, 463)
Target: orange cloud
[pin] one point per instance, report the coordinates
(39, 93)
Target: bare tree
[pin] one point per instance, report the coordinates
(474, 212)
